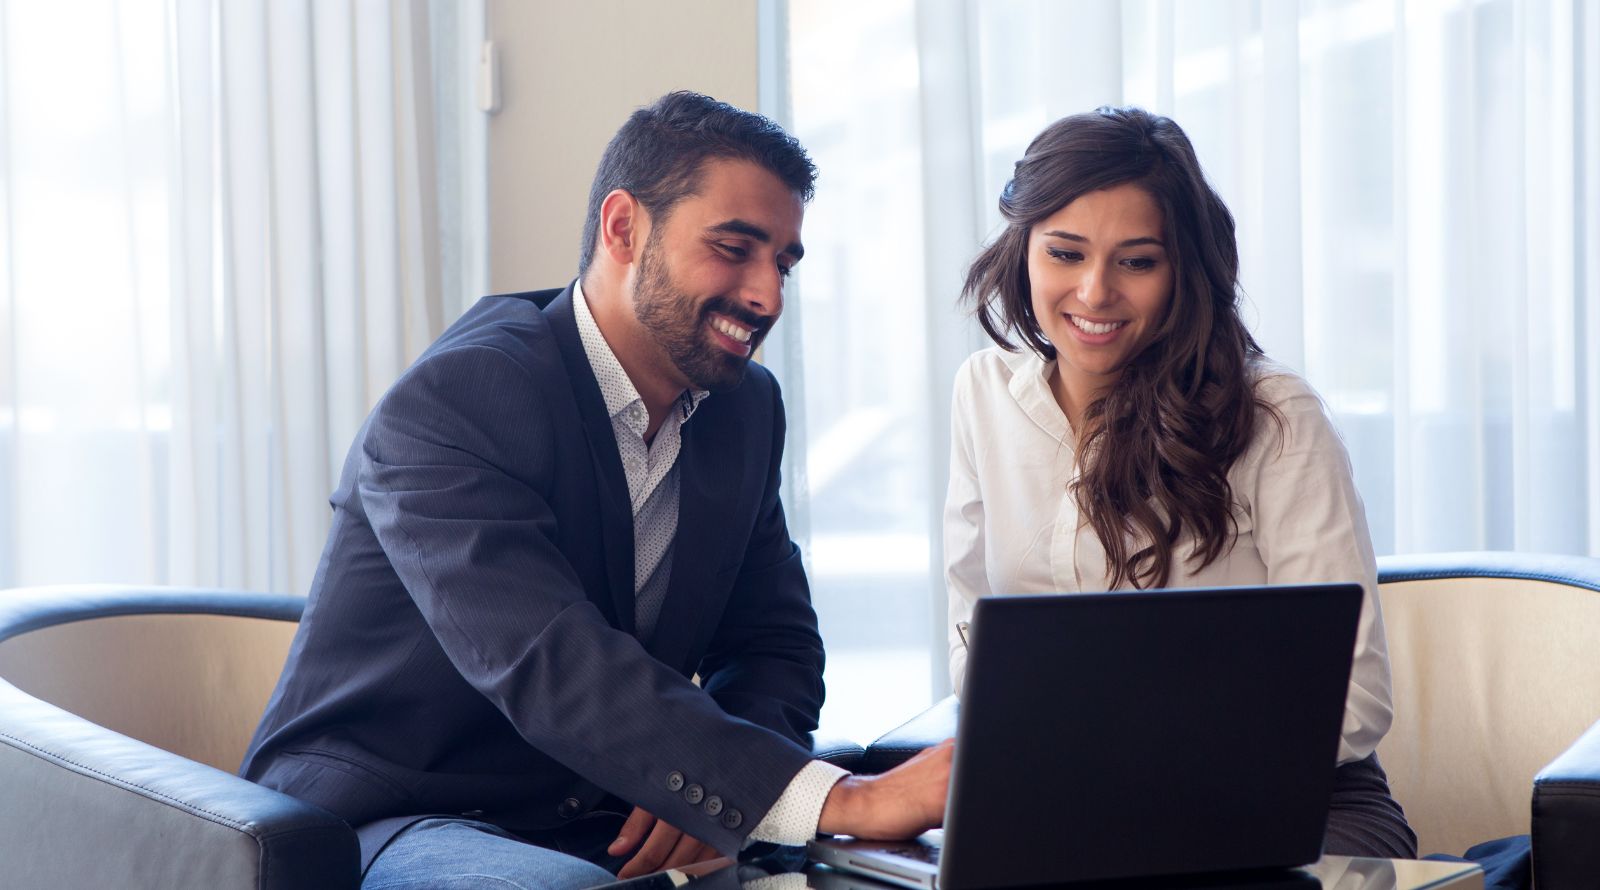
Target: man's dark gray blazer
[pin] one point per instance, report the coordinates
(468, 643)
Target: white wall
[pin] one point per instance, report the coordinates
(571, 73)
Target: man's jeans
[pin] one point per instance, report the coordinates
(465, 854)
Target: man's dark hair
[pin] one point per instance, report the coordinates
(659, 154)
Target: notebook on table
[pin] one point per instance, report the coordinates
(1137, 735)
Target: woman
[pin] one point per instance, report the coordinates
(1140, 438)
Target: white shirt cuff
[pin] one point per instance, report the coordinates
(793, 819)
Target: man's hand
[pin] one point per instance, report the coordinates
(901, 803)
(666, 846)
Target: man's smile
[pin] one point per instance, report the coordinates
(731, 335)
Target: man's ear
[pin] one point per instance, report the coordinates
(622, 222)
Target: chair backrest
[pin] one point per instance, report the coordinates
(1493, 677)
(192, 684)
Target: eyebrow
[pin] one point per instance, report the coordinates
(751, 230)
(1131, 242)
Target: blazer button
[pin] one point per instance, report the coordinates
(713, 805)
(569, 808)
(732, 819)
(693, 793)
(674, 781)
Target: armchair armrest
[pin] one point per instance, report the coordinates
(1566, 816)
(925, 730)
(840, 752)
(83, 806)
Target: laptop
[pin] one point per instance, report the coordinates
(1137, 735)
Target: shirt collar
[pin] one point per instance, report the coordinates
(615, 386)
(1030, 386)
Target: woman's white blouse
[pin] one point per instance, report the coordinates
(1011, 523)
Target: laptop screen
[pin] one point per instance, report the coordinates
(1147, 733)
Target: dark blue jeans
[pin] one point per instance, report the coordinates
(465, 854)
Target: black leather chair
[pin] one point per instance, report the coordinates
(123, 712)
(1496, 665)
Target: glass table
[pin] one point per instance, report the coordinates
(788, 869)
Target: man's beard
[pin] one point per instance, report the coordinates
(681, 327)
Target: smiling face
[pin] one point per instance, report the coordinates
(1101, 280)
(710, 280)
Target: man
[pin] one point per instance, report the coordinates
(561, 512)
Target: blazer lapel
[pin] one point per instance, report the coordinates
(710, 469)
(616, 511)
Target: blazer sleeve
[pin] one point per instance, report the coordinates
(454, 462)
(765, 661)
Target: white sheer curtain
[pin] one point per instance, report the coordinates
(1417, 187)
(227, 225)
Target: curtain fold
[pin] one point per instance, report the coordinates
(275, 167)
(1586, 32)
(9, 536)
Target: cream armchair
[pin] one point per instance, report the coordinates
(1496, 666)
(124, 712)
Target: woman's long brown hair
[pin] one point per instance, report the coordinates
(1156, 447)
